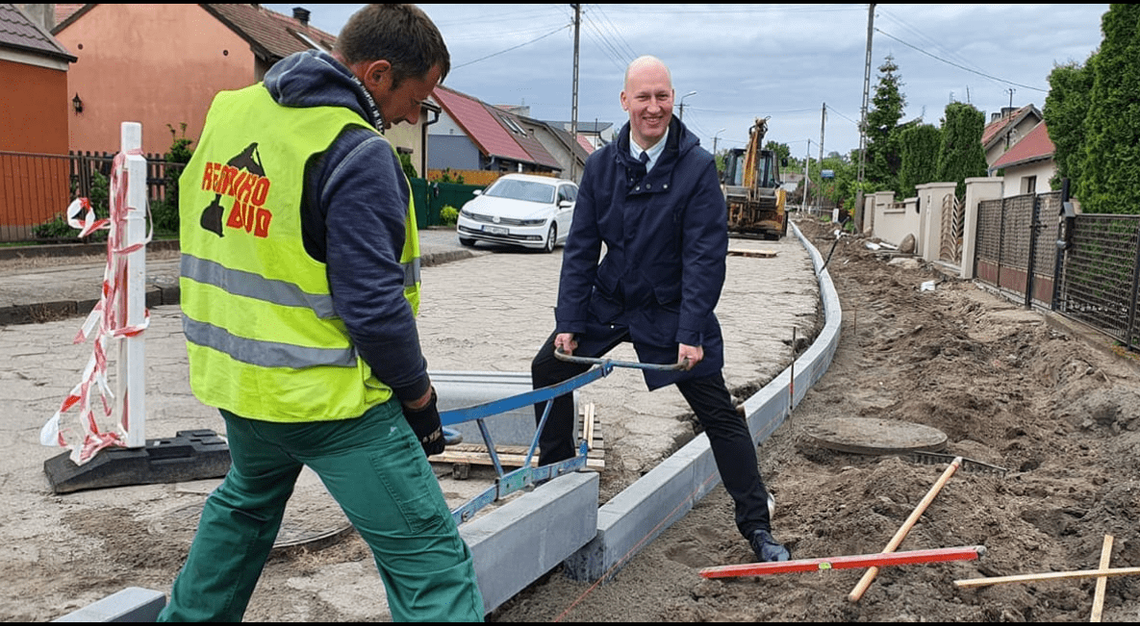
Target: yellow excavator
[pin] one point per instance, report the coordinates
(753, 188)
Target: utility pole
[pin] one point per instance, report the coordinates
(574, 105)
(807, 177)
(822, 121)
(682, 101)
(863, 121)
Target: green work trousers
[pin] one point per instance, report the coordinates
(376, 470)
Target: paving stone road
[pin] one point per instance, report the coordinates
(486, 309)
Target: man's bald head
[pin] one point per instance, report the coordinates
(644, 63)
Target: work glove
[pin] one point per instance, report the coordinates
(425, 424)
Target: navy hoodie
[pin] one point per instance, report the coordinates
(355, 202)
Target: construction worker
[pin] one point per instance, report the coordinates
(300, 285)
(653, 198)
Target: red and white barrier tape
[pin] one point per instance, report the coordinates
(106, 323)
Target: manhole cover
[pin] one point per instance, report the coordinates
(863, 435)
(311, 517)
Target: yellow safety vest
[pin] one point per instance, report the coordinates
(261, 333)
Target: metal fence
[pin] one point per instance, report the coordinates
(36, 188)
(1099, 275)
(1015, 250)
(1086, 267)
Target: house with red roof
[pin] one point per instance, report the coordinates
(162, 64)
(35, 109)
(1028, 165)
(473, 135)
(33, 68)
(1018, 148)
(1006, 128)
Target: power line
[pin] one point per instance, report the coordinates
(610, 48)
(512, 48)
(932, 43)
(832, 109)
(961, 67)
(614, 29)
(752, 9)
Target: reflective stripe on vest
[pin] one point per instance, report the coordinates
(265, 353)
(240, 283)
(280, 292)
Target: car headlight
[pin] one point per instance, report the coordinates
(532, 222)
(465, 213)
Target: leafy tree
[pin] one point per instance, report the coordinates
(883, 150)
(837, 191)
(406, 163)
(781, 150)
(1065, 109)
(165, 214)
(919, 145)
(960, 155)
(1111, 165)
(720, 157)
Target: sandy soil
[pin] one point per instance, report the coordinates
(1005, 387)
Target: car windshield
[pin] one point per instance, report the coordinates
(522, 190)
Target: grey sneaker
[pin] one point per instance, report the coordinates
(767, 549)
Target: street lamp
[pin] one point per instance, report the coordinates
(714, 140)
(682, 101)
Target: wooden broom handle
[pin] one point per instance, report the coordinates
(868, 576)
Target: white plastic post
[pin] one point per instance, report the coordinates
(131, 381)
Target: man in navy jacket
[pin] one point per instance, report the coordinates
(653, 198)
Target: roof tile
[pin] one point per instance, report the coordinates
(488, 134)
(1034, 146)
(275, 33)
(17, 30)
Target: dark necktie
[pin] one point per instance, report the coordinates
(644, 158)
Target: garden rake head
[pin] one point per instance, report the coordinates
(967, 465)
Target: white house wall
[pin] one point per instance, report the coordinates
(1015, 177)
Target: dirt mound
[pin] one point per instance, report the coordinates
(1007, 388)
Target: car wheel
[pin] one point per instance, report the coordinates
(464, 241)
(551, 237)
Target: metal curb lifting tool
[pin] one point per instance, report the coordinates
(527, 476)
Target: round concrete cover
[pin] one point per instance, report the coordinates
(863, 435)
(312, 517)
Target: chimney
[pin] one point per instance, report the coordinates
(42, 14)
(301, 15)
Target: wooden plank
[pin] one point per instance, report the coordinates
(588, 425)
(506, 460)
(514, 456)
(1029, 578)
(760, 254)
(1101, 581)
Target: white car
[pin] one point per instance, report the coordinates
(520, 210)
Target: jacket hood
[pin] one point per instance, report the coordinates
(313, 78)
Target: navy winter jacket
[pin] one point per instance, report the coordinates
(666, 238)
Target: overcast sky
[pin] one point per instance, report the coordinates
(743, 61)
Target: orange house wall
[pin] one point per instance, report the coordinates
(35, 109)
(157, 64)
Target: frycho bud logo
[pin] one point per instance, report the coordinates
(243, 179)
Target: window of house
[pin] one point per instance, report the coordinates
(1028, 184)
(515, 128)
